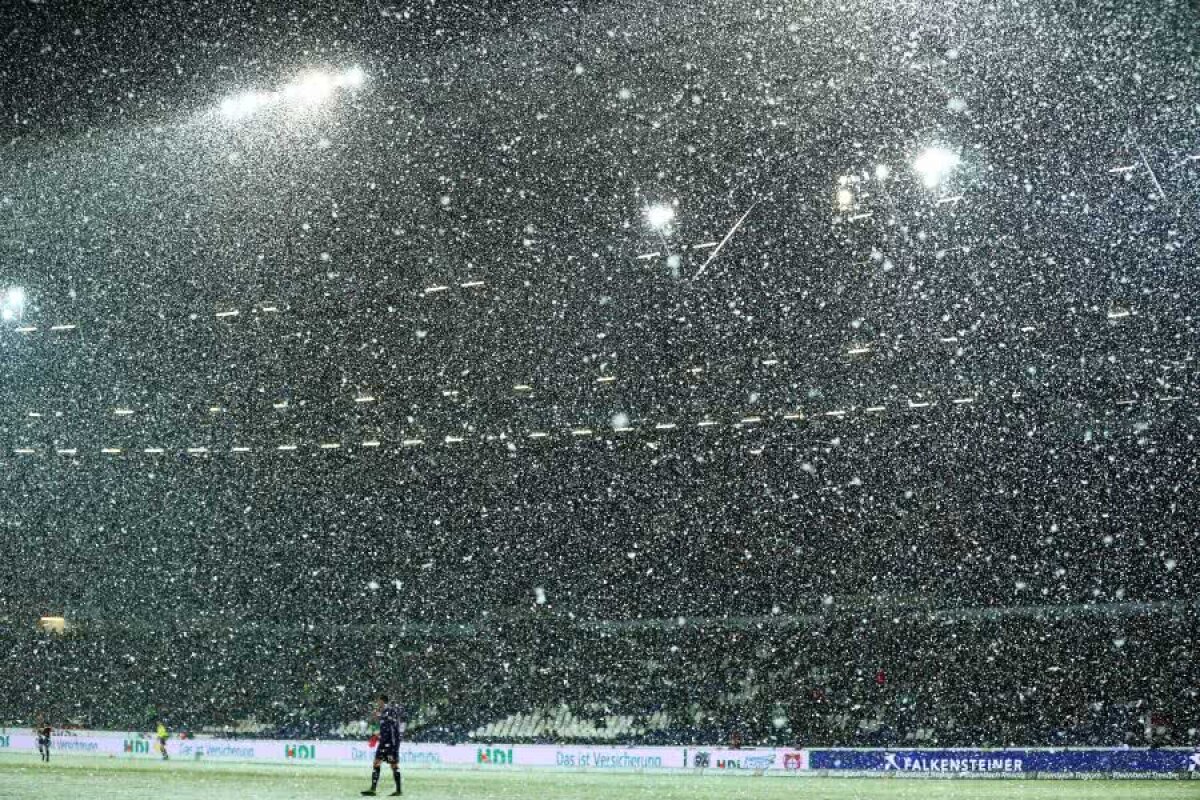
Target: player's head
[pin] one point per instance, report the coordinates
(382, 700)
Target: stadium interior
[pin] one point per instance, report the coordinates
(698, 389)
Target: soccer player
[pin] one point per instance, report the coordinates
(162, 735)
(42, 732)
(392, 722)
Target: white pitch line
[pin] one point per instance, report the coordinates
(716, 251)
(864, 215)
(1117, 170)
(704, 245)
(648, 256)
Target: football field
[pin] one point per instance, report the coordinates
(24, 777)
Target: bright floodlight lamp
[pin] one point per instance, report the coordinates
(660, 215)
(312, 89)
(934, 164)
(353, 77)
(52, 624)
(245, 104)
(12, 305)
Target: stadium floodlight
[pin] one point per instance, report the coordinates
(659, 216)
(934, 164)
(353, 77)
(12, 304)
(313, 88)
(308, 91)
(245, 104)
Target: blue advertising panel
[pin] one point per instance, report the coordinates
(1012, 762)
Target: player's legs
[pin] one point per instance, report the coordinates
(162, 744)
(394, 763)
(374, 776)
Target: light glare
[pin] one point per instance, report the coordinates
(934, 164)
(660, 215)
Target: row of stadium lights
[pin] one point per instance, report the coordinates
(527, 390)
(1112, 314)
(522, 389)
(619, 425)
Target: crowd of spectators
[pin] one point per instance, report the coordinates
(843, 680)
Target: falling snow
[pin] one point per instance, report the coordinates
(799, 375)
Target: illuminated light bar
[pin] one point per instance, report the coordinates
(436, 289)
(67, 451)
(837, 412)
(538, 434)
(453, 439)
(286, 447)
(948, 339)
(606, 379)
(857, 351)
(1028, 328)
(330, 445)
(921, 404)
(962, 401)
(665, 426)
(695, 370)
(214, 409)
(371, 443)
(793, 415)
(231, 313)
(237, 449)
(111, 451)
(280, 404)
(23, 451)
(756, 452)
(413, 442)
(1170, 398)
(26, 329)
(856, 218)
(122, 412)
(770, 362)
(154, 451)
(1118, 313)
(704, 245)
(875, 409)
(522, 387)
(751, 420)
(270, 309)
(1126, 402)
(1116, 170)
(648, 256)
(470, 285)
(35, 414)
(581, 432)
(63, 327)
(623, 428)
(707, 423)
(946, 200)
(364, 398)
(197, 451)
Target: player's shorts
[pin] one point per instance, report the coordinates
(387, 752)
